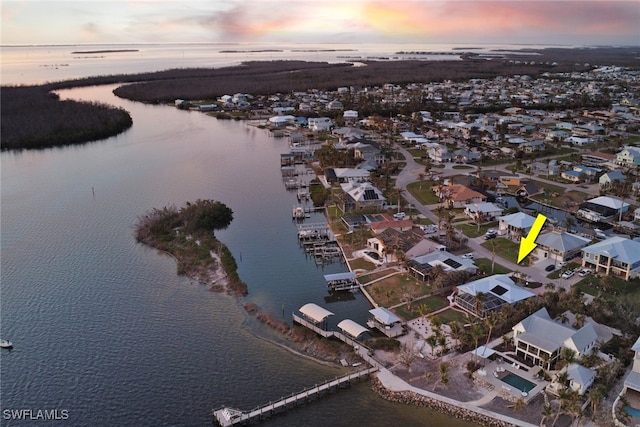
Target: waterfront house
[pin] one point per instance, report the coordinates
(320, 124)
(580, 379)
(538, 339)
(587, 172)
(602, 208)
(616, 255)
(485, 210)
(516, 225)
(420, 266)
(529, 189)
(346, 175)
(359, 195)
(386, 322)
(489, 294)
(632, 381)
(392, 244)
(559, 246)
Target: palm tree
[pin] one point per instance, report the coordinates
(519, 404)
(455, 332)
(479, 303)
(595, 395)
(421, 177)
(476, 333)
(400, 192)
(490, 322)
(567, 356)
(432, 340)
(547, 412)
(443, 370)
(423, 310)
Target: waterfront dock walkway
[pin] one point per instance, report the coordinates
(228, 416)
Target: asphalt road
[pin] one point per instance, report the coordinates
(535, 273)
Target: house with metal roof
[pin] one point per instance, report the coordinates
(580, 377)
(489, 294)
(539, 339)
(629, 156)
(516, 224)
(488, 211)
(386, 322)
(559, 245)
(607, 179)
(602, 208)
(616, 255)
(362, 194)
(632, 382)
(420, 266)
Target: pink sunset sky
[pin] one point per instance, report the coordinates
(348, 21)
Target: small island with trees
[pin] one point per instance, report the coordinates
(188, 234)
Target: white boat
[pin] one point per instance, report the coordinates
(5, 344)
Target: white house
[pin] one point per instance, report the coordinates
(488, 211)
(632, 382)
(320, 124)
(496, 291)
(539, 339)
(616, 255)
(559, 246)
(517, 224)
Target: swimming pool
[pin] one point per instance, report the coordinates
(518, 382)
(632, 411)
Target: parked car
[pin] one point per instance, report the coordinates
(490, 234)
(550, 267)
(429, 229)
(399, 215)
(467, 255)
(584, 272)
(568, 274)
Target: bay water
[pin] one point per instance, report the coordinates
(105, 330)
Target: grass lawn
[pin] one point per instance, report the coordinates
(422, 191)
(390, 291)
(471, 230)
(484, 265)
(370, 277)
(434, 303)
(463, 167)
(505, 248)
(548, 188)
(620, 288)
(450, 315)
(361, 264)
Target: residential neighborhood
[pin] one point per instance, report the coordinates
(429, 207)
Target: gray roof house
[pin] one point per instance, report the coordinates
(559, 245)
(362, 194)
(517, 224)
(489, 294)
(539, 339)
(614, 256)
(629, 156)
(632, 382)
(580, 377)
(607, 179)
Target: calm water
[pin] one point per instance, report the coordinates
(102, 326)
(39, 64)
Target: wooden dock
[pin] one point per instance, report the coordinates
(229, 416)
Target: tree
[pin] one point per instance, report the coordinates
(443, 370)
(207, 215)
(421, 177)
(596, 394)
(408, 354)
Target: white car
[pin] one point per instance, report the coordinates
(584, 272)
(568, 274)
(399, 215)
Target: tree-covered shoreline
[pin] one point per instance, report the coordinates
(33, 117)
(188, 234)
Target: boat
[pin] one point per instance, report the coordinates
(5, 344)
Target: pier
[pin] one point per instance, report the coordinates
(229, 416)
(226, 416)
